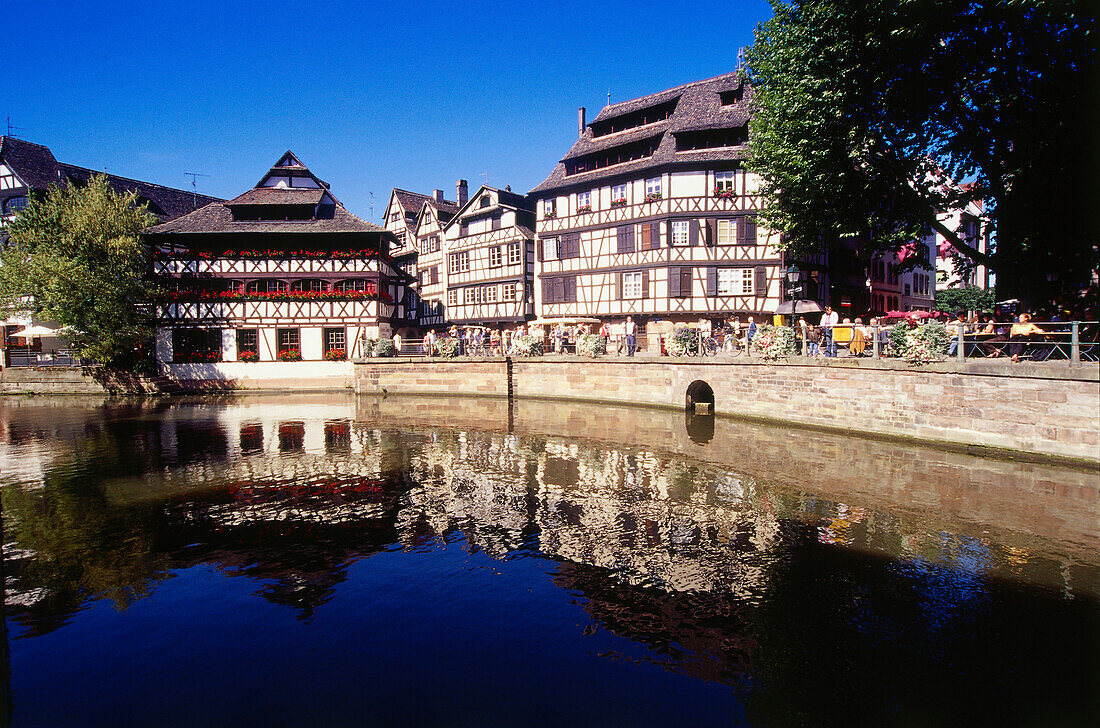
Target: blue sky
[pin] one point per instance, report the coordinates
(413, 95)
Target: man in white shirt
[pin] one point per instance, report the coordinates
(828, 320)
(631, 336)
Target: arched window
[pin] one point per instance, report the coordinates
(308, 284)
(14, 204)
(485, 201)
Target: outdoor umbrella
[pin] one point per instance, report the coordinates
(34, 332)
(788, 307)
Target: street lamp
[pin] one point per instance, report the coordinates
(794, 292)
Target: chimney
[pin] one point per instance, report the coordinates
(507, 188)
(463, 192)
(580, 122)
(437, 195)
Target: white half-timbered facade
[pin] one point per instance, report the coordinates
(434, 214)
(281, 272)
(652, 214)
(489, 266)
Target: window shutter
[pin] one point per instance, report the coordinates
(693, 232)
(748, 224)
(760, 281)
(618, 286)
(686, 282)
(673, 282)
(645, 284)
(538, 249)
(569, 289)
(646, 235)
(712, 232)
(712, 281)
(668, 233)
(547, 290)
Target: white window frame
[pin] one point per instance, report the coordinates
(549, 207)
(736, 282)
(550, 249)
(632, 285)
(724, 180)
(515, 253)
(490, 294)
(584, 198)
(681, 233)
(460, 262)
(452, 297)
(471, 297)
(496, 257)
(508, 292)
(653, 186)
(727, 232)
(618, 192)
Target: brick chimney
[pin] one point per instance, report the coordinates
(437, 195)
(462, 192)
(580, 122)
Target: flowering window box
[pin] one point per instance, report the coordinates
(653, 197)
(290, 355)
(724, 194)
(621, 202)
(248, 356)
(549, 215)
(584, 208)
(336, 355)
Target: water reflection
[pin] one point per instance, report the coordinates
(790, 566)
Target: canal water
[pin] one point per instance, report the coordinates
(328, 561)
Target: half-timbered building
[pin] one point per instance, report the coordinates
(652, 213)
(490, 248)
(28, 170)
(433, 216)
(280, 272)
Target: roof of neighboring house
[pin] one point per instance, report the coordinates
(38, 168)
(218, 217)
(504, 199)
(698, 107)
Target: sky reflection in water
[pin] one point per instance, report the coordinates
(333, 561)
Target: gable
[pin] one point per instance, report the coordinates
(9, 180)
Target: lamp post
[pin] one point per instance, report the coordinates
(794, 291)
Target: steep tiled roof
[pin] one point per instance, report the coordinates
(698, 107)
(37, 167)
(411, 201)
(278, 196)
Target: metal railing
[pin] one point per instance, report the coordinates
(22, 356)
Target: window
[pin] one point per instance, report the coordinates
(514, 254)
(494, 222)
(632, 285)
(490, 294)
(15, 204)
(723, 181)
(287, 339)
(584, 200)
(435, 274)
(679, 282)
(653, 186)
(727, 232)
(550, 249)
(424, 278)
(746, 231)
(472, 295)
(433, 244)
(335, 339)
(309, 284)
(549, 208)
(485, 201)
(460, 262)
(680, 230)
(625, 238)
(618, 195)
(354, 284)
(496, 257)
(559, 289)
(735, 282)
(248, 340)
(508, 292)
(452, 297)
(395, 216)
(651, 236)
(463, 229)
(196, 345)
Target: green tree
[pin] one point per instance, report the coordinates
(75, 257)
(966, 298)
(866, 113)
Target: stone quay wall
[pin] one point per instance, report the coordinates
(1043, 410)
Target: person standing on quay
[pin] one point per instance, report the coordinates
(830, 319)
(631, 336)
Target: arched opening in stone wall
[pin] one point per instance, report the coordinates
(699, 393)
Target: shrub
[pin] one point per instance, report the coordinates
(249, 356)
(590, 345)
(773, 342)
(384, 347)
(527, 345)
(447, 347)
(895, 342)
(290, 355)
(336, 355)
(683, 341)
(926, 343)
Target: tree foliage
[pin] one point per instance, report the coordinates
(75, 258)
(967, 298)
(868, 113)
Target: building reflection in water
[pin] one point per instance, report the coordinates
(680, 541)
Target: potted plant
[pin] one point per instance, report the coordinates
(293, 354)
(621, 202)
(248, 356)
(336, 355)
(653, 197)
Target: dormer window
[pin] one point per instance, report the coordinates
(729, 98)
